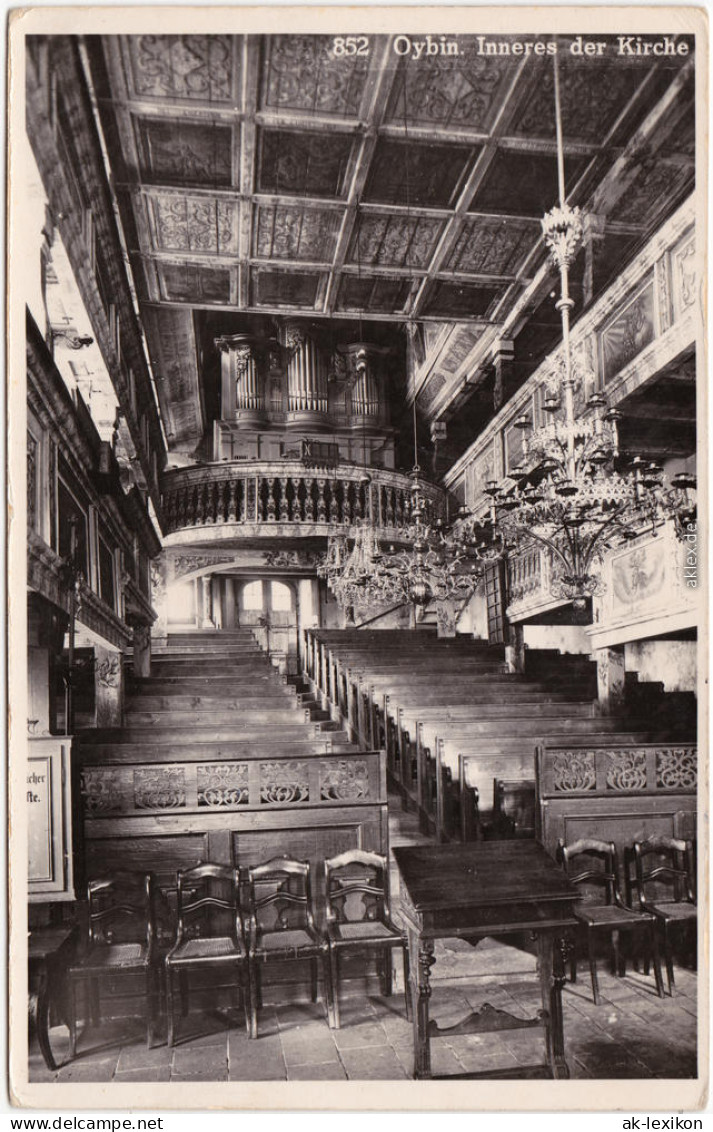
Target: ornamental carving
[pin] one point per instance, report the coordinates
(628, 333)
(159, 788)
(293, 232)
(101, 790)
(574, 771)
(109, 672)
(281, 558)
(626, 770)
(198, 67)
(189, 563)
(450, 91)
(343, 780)
(304, 74)
(492, 246)
(224, 785)
(677, 768)
(243, 355)
(195, 224)
(284, 782)
(591, 99)
(664, 295)
(32, 460)
(394, 241)
(686, 274)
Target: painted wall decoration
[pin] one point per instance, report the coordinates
(628, 333)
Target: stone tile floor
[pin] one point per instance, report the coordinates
(630, 1034)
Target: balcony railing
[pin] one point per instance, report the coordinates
(284, 492)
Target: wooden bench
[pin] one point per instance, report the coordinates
(514, 808)
(616, 791)
(479, 763)
(170, 815)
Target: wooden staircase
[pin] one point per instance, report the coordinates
(217, 694)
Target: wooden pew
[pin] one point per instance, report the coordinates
(235, 812)
(620, 792)
(514, 808)
(480, 762)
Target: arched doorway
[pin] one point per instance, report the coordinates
(269, 607)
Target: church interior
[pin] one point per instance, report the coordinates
(362, 559)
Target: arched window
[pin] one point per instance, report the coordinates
(252, 596)
(281, 597)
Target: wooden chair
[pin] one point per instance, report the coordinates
(120, 941)
(359, 918)
(663, 880)
(594, 865)
(282, 927)
(209, 935)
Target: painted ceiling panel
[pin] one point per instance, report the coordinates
(394, 241)
(462, 91)
(195, 224)
(373, 293)
(417, 174)
(285, 288)
(302, 73)
(172, 348)
(176, 152)
(196, 68)
(490, 245)
(592, 98)
(461, 300)
(522, 183)
(301, 163)
(187, 283)
(295, 232)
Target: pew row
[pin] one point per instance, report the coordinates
(616, 792)
(235, 812)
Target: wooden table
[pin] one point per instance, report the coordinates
(485, 889)
(48, 951)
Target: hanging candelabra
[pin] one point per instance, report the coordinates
(569, 493)
(427, 565)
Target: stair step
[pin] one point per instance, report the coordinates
(231, 703)
(151, 735)
(215, 750)
(196, 719)
(504, 712)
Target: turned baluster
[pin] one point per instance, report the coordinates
(358, 501)
(398, 507)
(347, 502)
(232, 500)
(390, 497)
(321, 503)
(284, 502)
(200, 504)
(209, 502)
(333, 502)
(271, 507)
(309, 499)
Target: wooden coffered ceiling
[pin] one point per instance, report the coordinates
(262, 174)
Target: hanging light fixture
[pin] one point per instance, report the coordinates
(426, 566)
(568, 493)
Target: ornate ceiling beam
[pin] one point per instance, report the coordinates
(478, 171)
(376, 96)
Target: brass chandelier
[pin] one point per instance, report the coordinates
(426, 566)
(568, 493)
